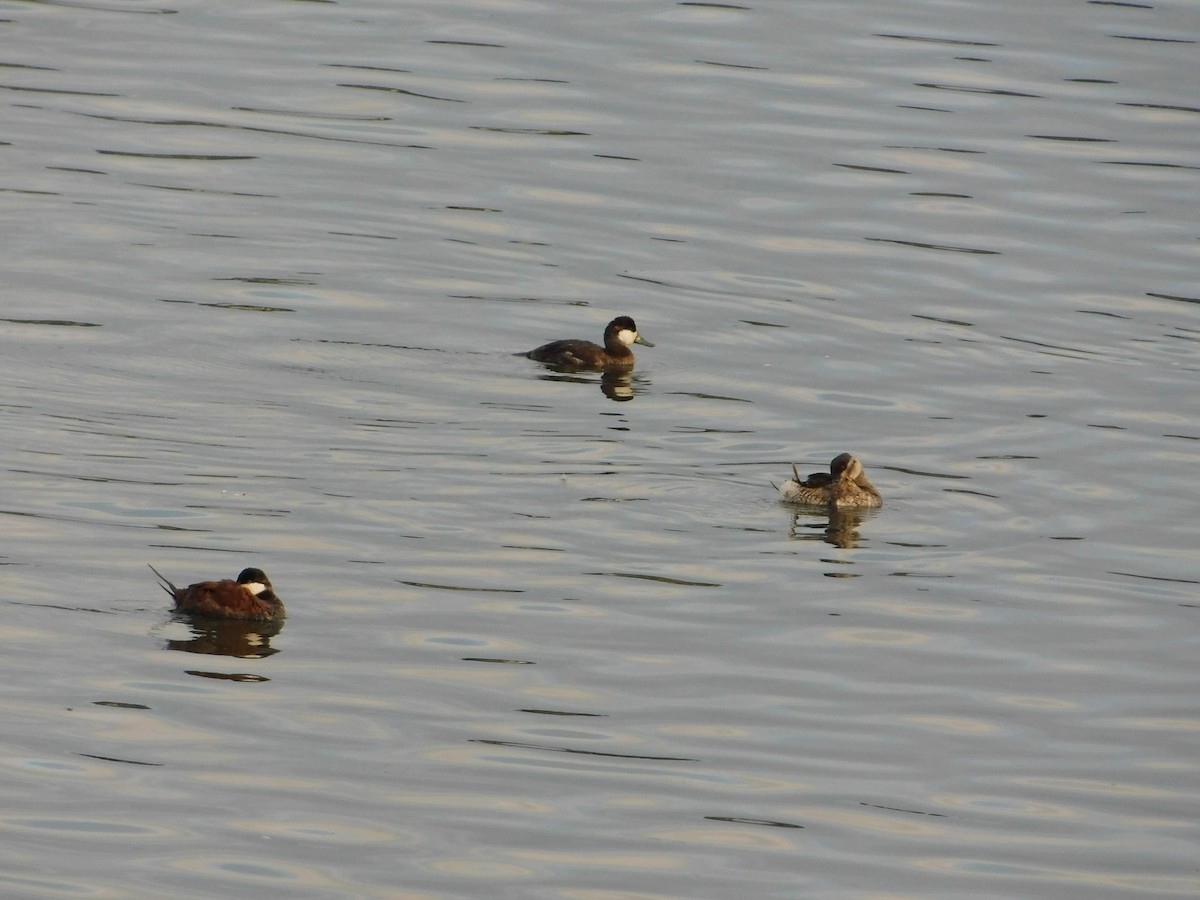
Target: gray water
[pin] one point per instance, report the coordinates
(266, 266)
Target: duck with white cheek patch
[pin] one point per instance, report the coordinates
(620, 334)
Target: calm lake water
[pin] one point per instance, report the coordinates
(266, 268)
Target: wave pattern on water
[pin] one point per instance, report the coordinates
(267, 268)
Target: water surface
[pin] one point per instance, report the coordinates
(266, 269)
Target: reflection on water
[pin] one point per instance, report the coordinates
(228, 637)
(616, 384)
(839, 527)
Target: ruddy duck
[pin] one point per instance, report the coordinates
(250, 597)
(844, 486)
(580, 354)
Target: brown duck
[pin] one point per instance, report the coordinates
(844, 486)
(620, 333)
(250, 597)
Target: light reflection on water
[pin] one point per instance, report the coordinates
(264, 303)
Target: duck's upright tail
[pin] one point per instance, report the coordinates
(166, 582)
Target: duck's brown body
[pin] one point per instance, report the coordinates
(580, 354)
(250, 597)
(844, 486)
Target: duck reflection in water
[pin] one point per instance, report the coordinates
(227, 637)
(838, 527)
(618, 385)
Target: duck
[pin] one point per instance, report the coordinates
(250, 597)
(619, 334)
(844, 486)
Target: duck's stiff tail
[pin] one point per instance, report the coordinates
(166, 582)
(795, 475)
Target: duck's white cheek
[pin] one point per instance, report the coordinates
(255, 587)
(626, 336)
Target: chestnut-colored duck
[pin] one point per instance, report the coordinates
(250, 597)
